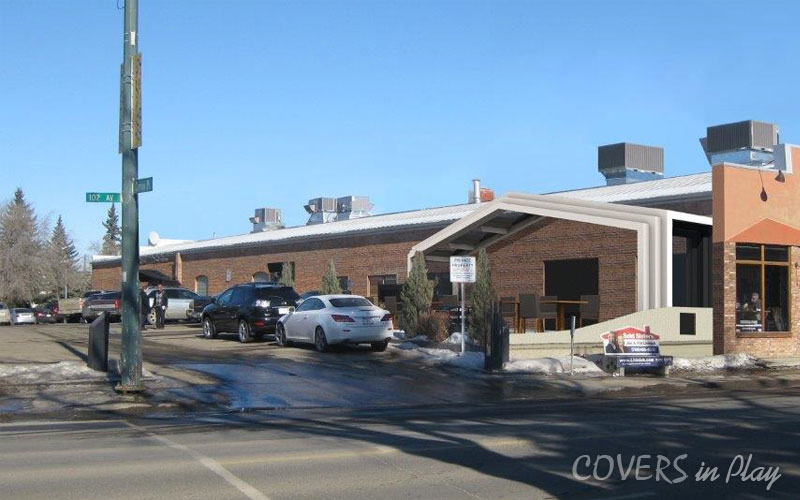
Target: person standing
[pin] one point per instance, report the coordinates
(144, 310)
(160, 305)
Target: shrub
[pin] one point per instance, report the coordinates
(435, 325)
(416, 295)
(481, 299)
(330, 282)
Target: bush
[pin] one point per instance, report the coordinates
(330, 282)
(416, 295)
(435, 325)
(481, 299)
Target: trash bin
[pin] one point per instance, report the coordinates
(98, 344)
(496, 342)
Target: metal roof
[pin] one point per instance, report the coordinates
(672, 187)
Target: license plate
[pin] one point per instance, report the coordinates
(283, 310)
(368, 321)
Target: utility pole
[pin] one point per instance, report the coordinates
(129, 142)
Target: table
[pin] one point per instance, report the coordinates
(560, 313)
(561, 323)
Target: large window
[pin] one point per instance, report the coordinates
(201, 285)
(762, 288)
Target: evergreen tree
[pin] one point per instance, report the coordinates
(482, 298)
(113, 234)
(22, 270)
(416, 295)
(287, 274)
(63, 260)
(330, 282)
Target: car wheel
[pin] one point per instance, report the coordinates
(244, 332)
(151, 318)
(380, 346)
(280, 335)
(209, 331)
(320, 341)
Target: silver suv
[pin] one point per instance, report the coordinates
(180, 304)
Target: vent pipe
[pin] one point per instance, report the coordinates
(476, 190)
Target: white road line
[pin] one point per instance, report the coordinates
(208, 462)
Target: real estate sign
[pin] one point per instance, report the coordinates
(632, 347)
(462, 269)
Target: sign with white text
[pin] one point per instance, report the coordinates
(462, 269)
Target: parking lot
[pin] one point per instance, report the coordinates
(224, 374)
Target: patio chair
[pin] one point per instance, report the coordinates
(590, 310)
(508, 309)
(530, 306)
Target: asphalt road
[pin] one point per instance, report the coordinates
(493, 451)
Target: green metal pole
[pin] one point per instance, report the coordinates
(131, 353)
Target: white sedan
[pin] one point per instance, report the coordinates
(336, 319)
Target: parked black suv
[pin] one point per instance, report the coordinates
(251, 310)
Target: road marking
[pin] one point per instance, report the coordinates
(208, 462)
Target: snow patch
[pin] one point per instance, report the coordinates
(48, 372)
(715, 363)
(467, 361)
(455, 338)
(551, 366)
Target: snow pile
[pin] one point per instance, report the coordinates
(469, 361)
(47, 372)
(550, 366)
(455, 338)
(714, 363)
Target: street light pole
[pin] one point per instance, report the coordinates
(129, 141)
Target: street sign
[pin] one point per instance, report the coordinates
(143, 185)
(102, 197)
(462, 269)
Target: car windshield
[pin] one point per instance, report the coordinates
(270, 293)
(350, 302)
(24, 310)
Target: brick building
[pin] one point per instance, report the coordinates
(643, 244)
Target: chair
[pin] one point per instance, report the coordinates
(530, 306)
(590, 310)
(546, 311)
(508, 309)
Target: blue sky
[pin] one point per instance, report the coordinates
(257, 103)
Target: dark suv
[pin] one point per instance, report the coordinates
(251, 310)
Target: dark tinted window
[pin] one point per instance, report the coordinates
(24, 310)
(748, 252)
(350, 302)
(225, 298)
(172, 293)
(314, 304)
(305, 306)
(238, 296)
(776, 254)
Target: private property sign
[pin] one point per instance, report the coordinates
(462, 269)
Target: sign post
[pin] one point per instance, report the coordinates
(462, 270)
(571, 343)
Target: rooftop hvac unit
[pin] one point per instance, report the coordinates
(266, 219)
(316, 205)
(353, 204)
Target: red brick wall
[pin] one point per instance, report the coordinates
(356, 257)
(518, 261)
(726, 340)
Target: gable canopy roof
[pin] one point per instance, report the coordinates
(513, 212)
